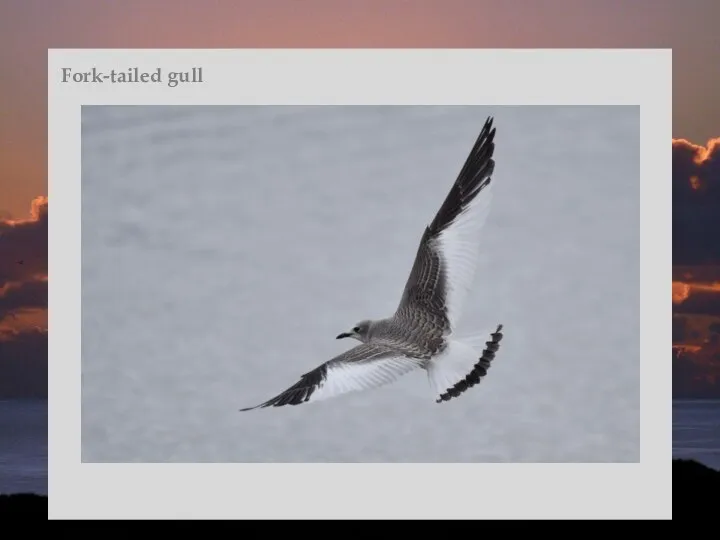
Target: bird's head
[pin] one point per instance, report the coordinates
(360, 332)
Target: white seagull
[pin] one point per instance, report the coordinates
(420, 332)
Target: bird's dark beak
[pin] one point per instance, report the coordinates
(343, 335)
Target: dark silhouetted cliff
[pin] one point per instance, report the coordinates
(22, 505)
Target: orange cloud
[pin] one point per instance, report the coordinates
(683, 349)
(706, 287)
(680, 292)
(697, 299)
(700, 153)
(698, 159)
(22, 296)
(696, 202)
(696, 356)
(38, 207)
(24, 244)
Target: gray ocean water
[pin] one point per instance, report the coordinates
(224, 248)
(24, 446)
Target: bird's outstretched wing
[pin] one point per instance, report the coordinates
(446, 259)
(363, 367)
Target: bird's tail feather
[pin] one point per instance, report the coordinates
(462, 365)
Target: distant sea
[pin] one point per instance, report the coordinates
(23, 446)
(696, 430)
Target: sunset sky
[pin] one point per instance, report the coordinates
(29, 27)
(696, 269)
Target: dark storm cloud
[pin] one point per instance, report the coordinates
(696, 374)
(696, 202)
(27, 241)
(23, 364)
(679, 329)
(696, 274)
(23, 285)
(23, 295)
(699, 303)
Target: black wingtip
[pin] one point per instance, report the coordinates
(479, 370)
(298, 393)
(474, 176)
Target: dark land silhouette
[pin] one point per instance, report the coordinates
(697, 486)
(22, 504)
(694, 473)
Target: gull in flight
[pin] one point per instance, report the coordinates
(419, 335)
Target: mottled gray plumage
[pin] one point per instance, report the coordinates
(418, 334)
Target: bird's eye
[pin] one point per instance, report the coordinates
(356, 329)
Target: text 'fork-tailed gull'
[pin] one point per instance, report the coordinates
(418, 334)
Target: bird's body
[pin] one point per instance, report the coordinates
(420, 334)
